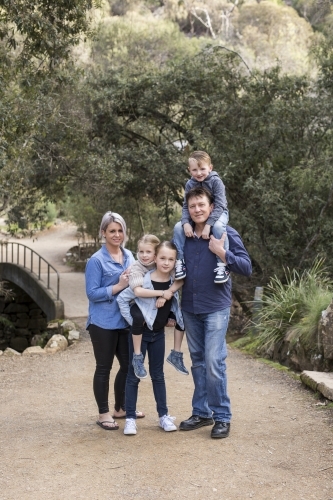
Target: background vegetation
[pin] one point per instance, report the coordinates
(96, 99)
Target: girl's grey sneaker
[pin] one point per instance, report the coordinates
(175, 359)
(180, 270)
(130, 427)
(222, 273)
(166, 422)
(139, 369)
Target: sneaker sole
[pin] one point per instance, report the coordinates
(224, 281)
(180, 278)
(129, 433)
(140, 378)
(179, 371)
(168, 430)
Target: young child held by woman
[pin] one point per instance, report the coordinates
(153, 335)
(202, 175)
(146, 262)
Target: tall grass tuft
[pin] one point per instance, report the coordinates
(294, 307)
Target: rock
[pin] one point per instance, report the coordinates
(319, 381)
(1, 353)
(325, 336)
(55, 327)
(19, 343)
(16, 308)
(10, 353)
(33, 351)
(73, 335)
(21, 323)
(56, 343)
(68, 325)
(36, 340)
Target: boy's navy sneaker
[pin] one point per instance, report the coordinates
(175, 359)
(180, 271)
(222, 273)
(139, 369)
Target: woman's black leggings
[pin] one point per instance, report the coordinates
(107, 344)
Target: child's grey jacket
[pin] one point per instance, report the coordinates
(214, 184)
(146, 305)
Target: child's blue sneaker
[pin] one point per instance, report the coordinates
(175, 359)
(139, 369)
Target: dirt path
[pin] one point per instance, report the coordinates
(280, 446)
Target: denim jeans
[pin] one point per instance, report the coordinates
(218, 229)
(205, 335)
(152, 343)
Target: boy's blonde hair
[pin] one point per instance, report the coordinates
(149, 239)
(200, 157)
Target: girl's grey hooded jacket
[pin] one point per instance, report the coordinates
(146, 305)
(215, 185)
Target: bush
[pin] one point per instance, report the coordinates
(294, 308)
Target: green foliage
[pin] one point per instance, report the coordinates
(43, 29)
(294, 307)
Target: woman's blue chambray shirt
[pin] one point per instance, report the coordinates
(102, 272)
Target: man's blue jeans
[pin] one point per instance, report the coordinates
(205, 335)
(152, 343)
(218, 229)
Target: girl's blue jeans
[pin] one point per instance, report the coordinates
(152, 343)
(218, 229)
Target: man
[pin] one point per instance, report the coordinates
(206, 309)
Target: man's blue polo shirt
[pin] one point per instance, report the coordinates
(200, 295)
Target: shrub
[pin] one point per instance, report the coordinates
(294, 307)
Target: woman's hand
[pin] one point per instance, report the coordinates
(123, 280)
(160, 302)
(188, 230)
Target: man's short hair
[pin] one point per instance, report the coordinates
(198, 192)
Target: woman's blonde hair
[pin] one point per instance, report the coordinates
(200, 157)
(149, 239)
(110, 217)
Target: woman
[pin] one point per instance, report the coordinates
(106, 275)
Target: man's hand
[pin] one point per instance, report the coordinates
(205, 232)
(217, 246)
(188, 230)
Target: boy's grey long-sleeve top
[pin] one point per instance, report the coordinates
(214, 184)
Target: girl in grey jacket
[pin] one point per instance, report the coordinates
(153, 338)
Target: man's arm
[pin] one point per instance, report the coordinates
(237, 257)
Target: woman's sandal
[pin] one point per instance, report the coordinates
(107, 427)
(139, 414)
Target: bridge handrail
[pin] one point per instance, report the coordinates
(6, 245)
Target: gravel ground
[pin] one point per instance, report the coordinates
(280, 445)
